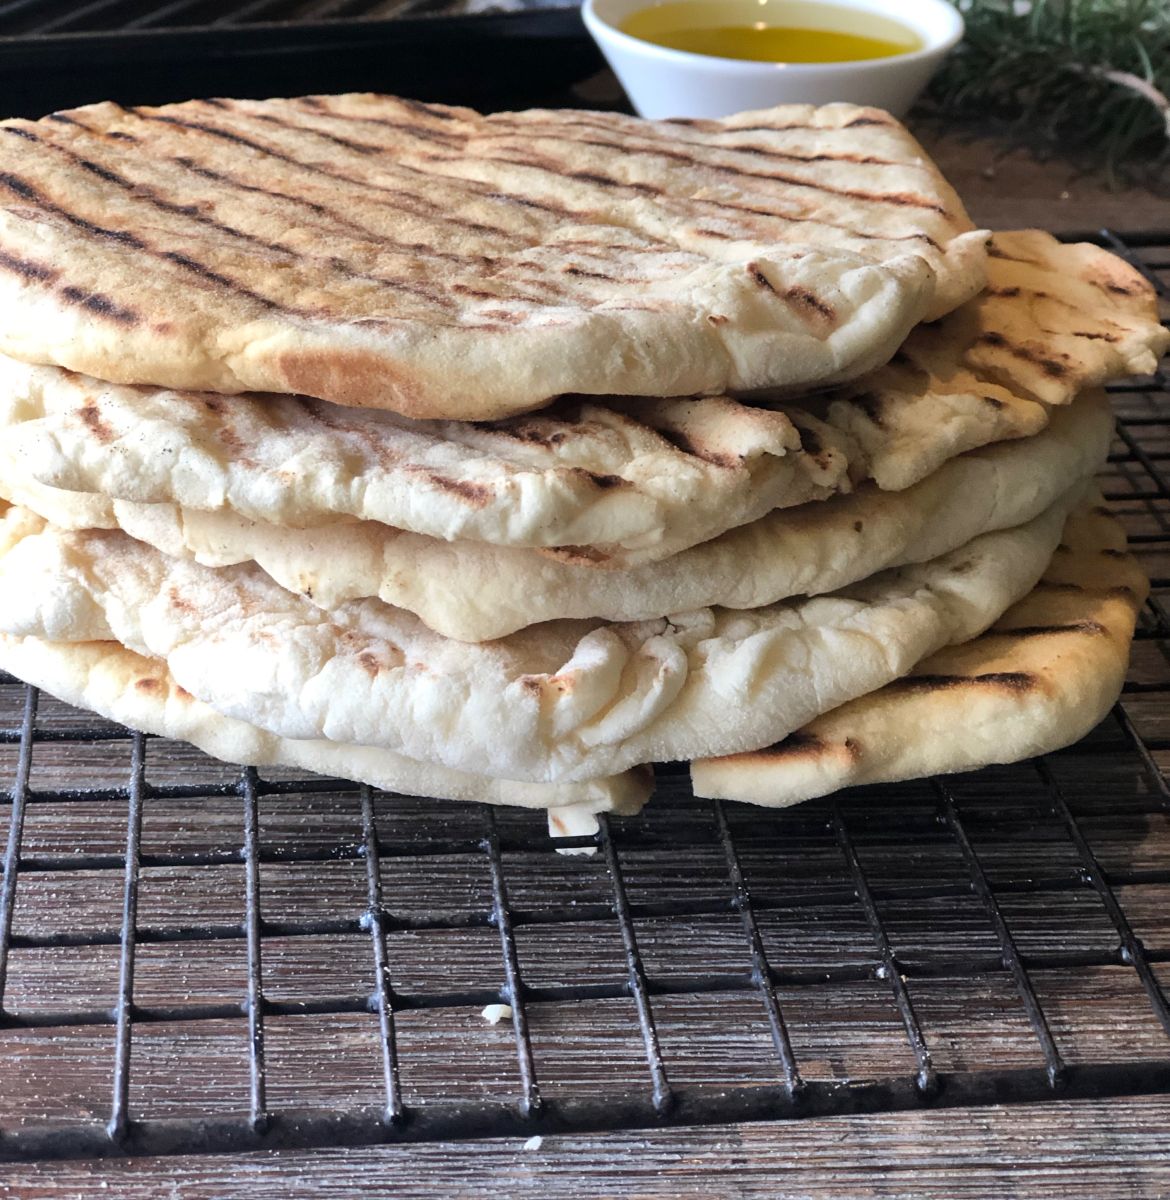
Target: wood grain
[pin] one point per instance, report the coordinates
(1118, 1150)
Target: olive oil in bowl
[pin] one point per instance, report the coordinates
(777, 31)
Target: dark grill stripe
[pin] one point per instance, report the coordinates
(411, 128)
(1094, 628)
(1049, 366)
(27, 192)
(94, 302)
(1016, 681)
(150, 196)
(399, 194)
(28, 269)
(770, 214)
(703, 151)
(608, 182)
(328, 214)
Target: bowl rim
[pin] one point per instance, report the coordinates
(599, 27)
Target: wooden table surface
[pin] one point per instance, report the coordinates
(1096, 1150)
(1117, 1148)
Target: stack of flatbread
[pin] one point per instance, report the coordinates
(498, 457)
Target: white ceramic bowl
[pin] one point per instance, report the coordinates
(675, 83)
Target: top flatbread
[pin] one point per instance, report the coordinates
(426, 259)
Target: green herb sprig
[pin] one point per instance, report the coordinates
(1085, 78)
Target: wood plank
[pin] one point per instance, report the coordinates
(1115, 1150)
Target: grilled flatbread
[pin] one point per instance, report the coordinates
(563, 701)
(631, 482)
(476, 593)
(1041, 678)
(609, 485)
(1054, 320)
(139, 692)
(389, 254)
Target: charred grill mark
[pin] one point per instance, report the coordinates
(28, 269)
(602, 482)
(205, 272)
(581, 273)
(465, 289)
(796, 743)
(1050, 366)
(335, 218)
(994, 250)
(192, 212)
(473, 187)
(774, 214)
(368, 661)
(411, 128)
(1096, 337)
(438, 111)
(1092, 628)
(1010, 681)
(95, 301)
(680, 441)
(702, 157)
(806, 745)
(476, 494)
(91, 418)
(809, 300)
(531, 433)
(760, 279)
(414, 202)
(901, 199)
(578, 556)
(773, 128)
(313, 131)
(103, 306)
(65, 119)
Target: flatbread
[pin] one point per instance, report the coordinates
(477, 593)
(1054, 320)
(641, 480)
(389, 254)
(1042, 677)
(608, 485)
(563, 701)
(140, 693)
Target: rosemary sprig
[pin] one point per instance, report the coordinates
(1085, 78)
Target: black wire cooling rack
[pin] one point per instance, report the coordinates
(198, 959)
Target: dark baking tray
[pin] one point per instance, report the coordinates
(491, 61)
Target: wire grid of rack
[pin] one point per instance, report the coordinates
(195, 958)
(62, 17)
